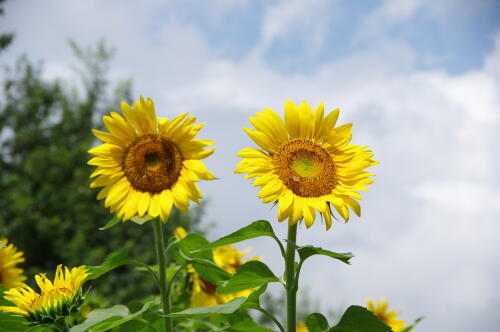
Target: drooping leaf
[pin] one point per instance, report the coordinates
(110, 223)
(114, 260)
(308, 251)
(249, 275)
(316, 322)
(359, 319)
(256, 229)
(253, 300)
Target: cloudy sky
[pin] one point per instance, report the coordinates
(420, 80)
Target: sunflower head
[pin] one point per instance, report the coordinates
(306, 164)
(10, 257)
(380, 309)
(148, 164)
(55, 300)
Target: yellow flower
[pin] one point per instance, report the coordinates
(55, 300)
(306, 164)
(148, 164)
(203, 291)
(10, 274)
(388, 317)
(301, 327)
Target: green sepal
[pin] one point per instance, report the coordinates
(250, 275)
(110, 223)
(359, 319)
(410, 328)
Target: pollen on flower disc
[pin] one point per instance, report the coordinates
(306, 168)
(152, 163)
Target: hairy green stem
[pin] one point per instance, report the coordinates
(291, 288)
(162, 269)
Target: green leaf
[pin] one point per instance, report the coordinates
(253, 300)
(249, 275)
(410, 328)
(316, 322)
(226, 308)
(210, 271)
(250, 302)
(101, 320)
(308, 251)
(359, 319)
(241, 321)
(110, 223)
(114, 260)
(256, 229)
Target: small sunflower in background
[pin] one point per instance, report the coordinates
(55, 300)
(10, 257)
(203, 291)
(301, 327)
(380, 309)
(148, 164)
(306, 164)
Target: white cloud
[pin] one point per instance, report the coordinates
(428, 238)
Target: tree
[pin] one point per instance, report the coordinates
(46, 206)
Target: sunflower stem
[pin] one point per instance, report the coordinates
(162, 269)
(291, 287)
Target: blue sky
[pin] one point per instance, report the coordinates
(419, 79)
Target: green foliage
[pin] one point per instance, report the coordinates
(249, 275)
(308, 251)
(359, 319)
(316, 322)
(47, 208)
(114, 260)
(256, 229)
(101, 320)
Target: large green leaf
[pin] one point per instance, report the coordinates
(241, 321)
(101, 320)
(308, 251)
(256, 229)
(249, 275)
(316, 322)
(114, 260)
(201, 260)
(359, 319)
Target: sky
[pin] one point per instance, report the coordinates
(419, 80)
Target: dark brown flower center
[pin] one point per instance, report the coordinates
(152, 163)
(305, 168)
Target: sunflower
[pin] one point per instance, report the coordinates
(203, 291)
(389, 318)
(306, 164)
(148, 164)
(10, 274)
(55, 300)
(301, 327)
